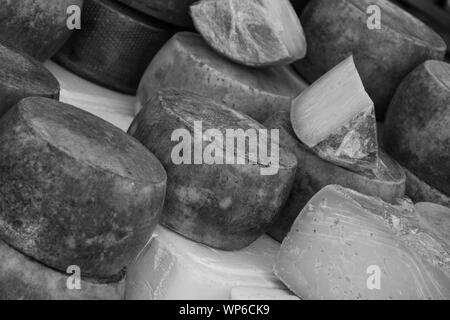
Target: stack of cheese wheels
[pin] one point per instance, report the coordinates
(37, 27)
(417, 131)
(187, 62)
(208, 198)
(114, 46)
(387, 43)
(346, 245)
(76, 191)
(21, 76)
(175, 268)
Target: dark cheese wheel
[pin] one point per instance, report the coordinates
(21, 76)
(337, 29)
(75, 190)
(114, 46)
(171, 11)
(37, 27)
(314, 173)
(225, 206)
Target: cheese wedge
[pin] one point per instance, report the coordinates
(75, 189)
(172, 267)
(345, 245)
(253, 33)
(335, 117)
(245, 293)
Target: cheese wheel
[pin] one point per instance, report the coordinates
(75, 189)
(417, 128)
(314, 173)
(114, 45)
(171, 11)
(21, 76)
(222, 194)
(253, 33)
(186, 62)
(22, 278)
(172, 267)
(246, 293)
(345, 245)
(336, 29)
(37, 27)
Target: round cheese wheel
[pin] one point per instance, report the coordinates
(171, 11)
(75, 189)
(114, 45)
(337, 29)
(314, 173)
(219, 194)
(37, 27)
(417, 128)
(22, 278)
(21, 76)
(186, 62)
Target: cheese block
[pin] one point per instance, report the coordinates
(172, 267)
(222, 189)
(314, 173)
(254, 33)
(37, 27)
(186, 62)
(22, 278)
(336, 118)
(246, 293)
(171, 11)
(417, 128)
(114, 107)
(420, 191)
(345, 245)
(336, 29)
(21, 76)
(75, 189)
(114, 45)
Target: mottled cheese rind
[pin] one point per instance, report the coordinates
(75, 189)
(345, 245)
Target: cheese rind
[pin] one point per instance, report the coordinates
(417, 127)
(114, 46)
(186, 62)
(37, 27)
(22, 278)
(246, 293)
(314, 173)
(75, 189)
(172, 267)
(253, 33)
(383, 57)
(228, 203)
(345, 245)
(21, 76)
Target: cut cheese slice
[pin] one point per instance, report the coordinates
(111, 106)
(174, 268)
(75, 189)
(21, 76)
(37, 27)
(345, 245)
(114, 45)
(22, 278)
(335, 117)
(186, 62)
(253, 33)
(246, 293)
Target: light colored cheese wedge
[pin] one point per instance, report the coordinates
(253, 33)
(172, 267)
(345, 245)
(335, 117)
(246, 293)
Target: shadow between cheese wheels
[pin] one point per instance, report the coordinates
(22, 76)
(75, 189)
(226, 206)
